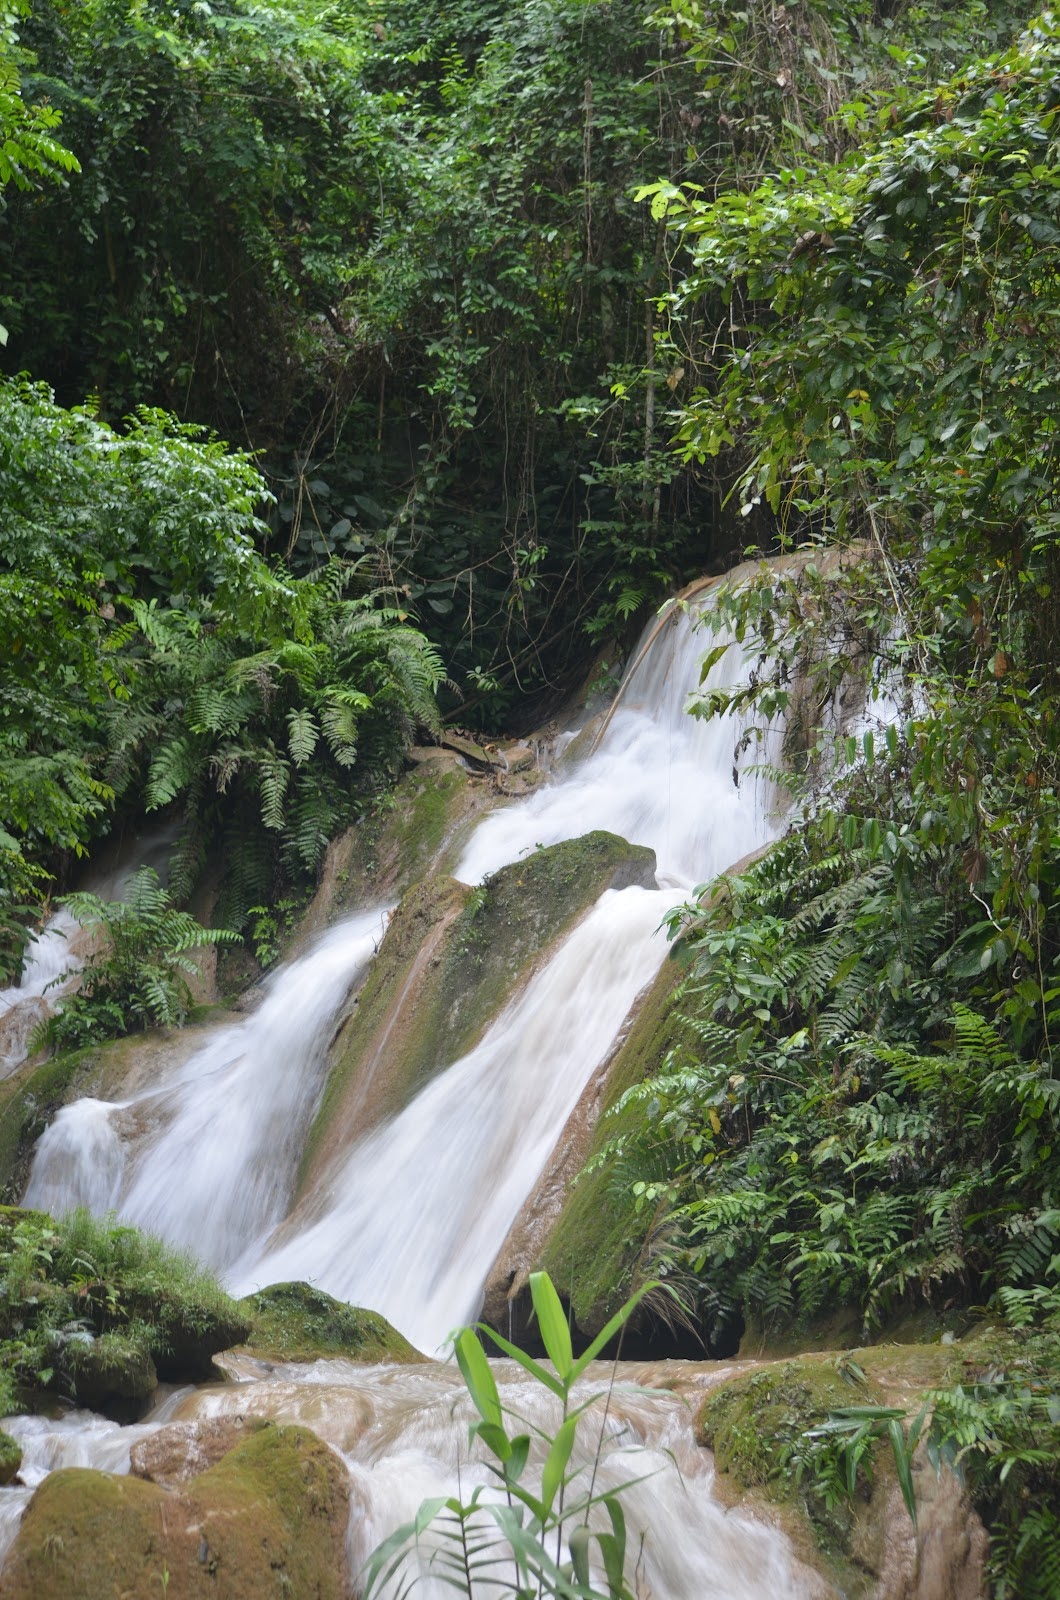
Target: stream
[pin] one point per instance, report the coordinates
(410, 1219)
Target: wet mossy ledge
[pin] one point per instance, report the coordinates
(451, 960)
(269, 1518)
(96, 1314)
(599, 1238)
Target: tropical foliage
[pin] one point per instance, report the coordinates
(155, 661)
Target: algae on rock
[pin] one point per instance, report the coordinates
(295, 1322)
(600, 1237)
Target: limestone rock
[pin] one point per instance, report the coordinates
(184, 1450)
(270, 1518)
(943, 1558)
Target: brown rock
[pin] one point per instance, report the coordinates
(183, 1450)
(943, 1558)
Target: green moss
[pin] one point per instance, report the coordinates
(268, 1520)
(757, 1425)
(295, 1322)
(450, 962)
(592, 1253)
(400, 839)
(10, 1458)
(147, 1309)
(113, 1374)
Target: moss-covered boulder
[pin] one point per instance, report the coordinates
(268, 1520)
(451, 960)
(113, 1373)
(10, 1458)
(295, 1322)
(188, 1328)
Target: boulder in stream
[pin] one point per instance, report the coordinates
(295, 1322)
(269, 1518)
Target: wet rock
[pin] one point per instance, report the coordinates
(113, 1374)
(469, 750)
(270, 1518)
(295, 1322)
(942, 1558)
(185, 1450)
(518, 757)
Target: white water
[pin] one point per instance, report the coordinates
(415, 1215)
(659, 777)
(208, 1160)
(402, 1433)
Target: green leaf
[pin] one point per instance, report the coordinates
(477, 1374)
(552, 1321)
(556, 1461)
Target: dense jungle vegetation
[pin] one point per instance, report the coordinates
(509, 318)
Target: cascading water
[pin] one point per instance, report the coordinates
(658, 776)
(409, 1221)
(208, 1159)
(55, 955)
(414, 1217)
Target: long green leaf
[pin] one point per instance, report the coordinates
(481, 1384)
(904, 1464)
(528, 1364)
(552, 1320)
(556, 1462)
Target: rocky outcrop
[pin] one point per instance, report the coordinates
(269, 1518)
(451, 960)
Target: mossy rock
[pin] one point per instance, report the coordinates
(113, 1374)
(10, 1458)
(401, 839)
(187, 1331)
(268, 1520)
(295, 1322)
(451, 960)
(757, 1424)
(592, 1253)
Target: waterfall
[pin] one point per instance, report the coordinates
(208, 1159)
(410, 1220)
(418, 1210)
(657, 777)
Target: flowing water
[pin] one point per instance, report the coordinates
(402, 1432)
(55, 955)
(410, 1220)
(208, 1159)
